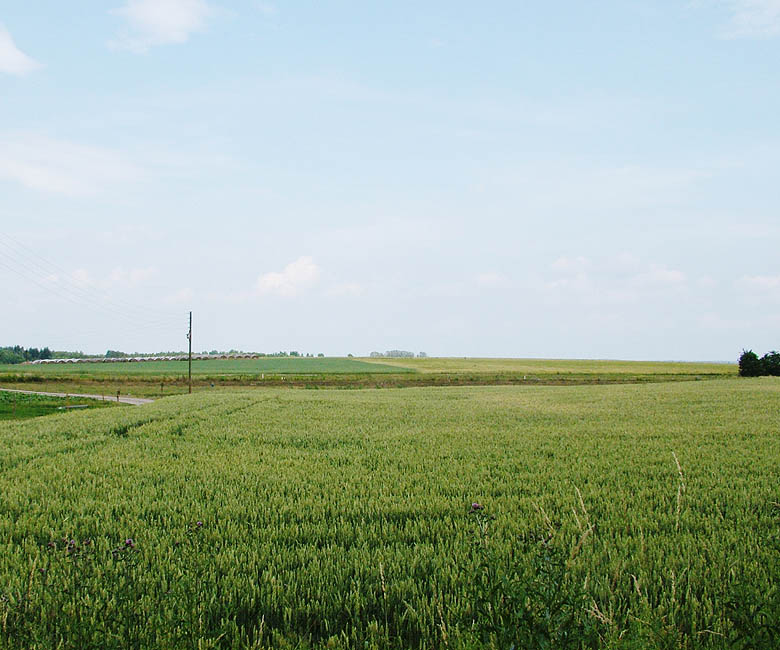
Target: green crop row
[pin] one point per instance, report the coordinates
(625, 516)
(270, 365)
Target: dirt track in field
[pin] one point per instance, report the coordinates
(135, 401)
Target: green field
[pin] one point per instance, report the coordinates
(268, 365)
(18, 406)
(625, 516)
(558, 366)
(155, 379)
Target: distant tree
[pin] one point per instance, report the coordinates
(749, 364)
(350, 355)
(422, 355)
(69, 354)
(9, 355)
(322, 355)
(115, 354)
(770, 364)
(376, 355)
(18, 354)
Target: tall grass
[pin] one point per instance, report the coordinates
(610, 516)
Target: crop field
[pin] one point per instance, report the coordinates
(613, 516)
(156, 379)
(271, 365)
(17, 406)
(559, 366)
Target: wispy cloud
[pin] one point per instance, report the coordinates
(12, 59)
(41, 163)
(267, 8)
(160, 22)
(761, 282)
(117, 278)
(754, 18)
(622, 279)
(345, 289)
(294, 279)
(183, 296)
(571, 264)
(748, 18)
(492, 280)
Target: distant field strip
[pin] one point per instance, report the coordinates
(557, 366)
(642, 516)
(267, 365)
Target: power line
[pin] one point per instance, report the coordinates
(36, 263)
(35, 272)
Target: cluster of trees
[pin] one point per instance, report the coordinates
(751, 366)
(397, 354)
(18, 354)
(116, 354)
(291, 353)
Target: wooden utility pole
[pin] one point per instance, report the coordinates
(189, 338)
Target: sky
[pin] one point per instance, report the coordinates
(503, 179)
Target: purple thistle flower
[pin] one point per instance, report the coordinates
(129, 543)
(476, 506)
(199, 524)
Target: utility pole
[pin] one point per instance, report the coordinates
(189, 338)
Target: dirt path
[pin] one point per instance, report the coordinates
(135, 401)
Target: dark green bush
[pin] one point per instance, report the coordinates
(749, 364)
(770, 364)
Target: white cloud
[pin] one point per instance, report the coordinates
(346, 289)
(571, 264)
(131, 278)
(761, 282)
(80, 278)
(58, 166)
(160, 22)
(624, 279)
(492, 280)
(658, 276)
(296, 277)
(755, 18)
(182, 297)
(267, 8)
(12, 59)
(118, 278)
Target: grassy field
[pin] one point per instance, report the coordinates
(248, 367)
(558, 366)
(155, 379)
(18, 406)
(625, 516)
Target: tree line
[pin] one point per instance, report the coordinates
(750, 365)
(396, 354)
(18, 354)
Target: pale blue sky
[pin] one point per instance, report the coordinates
(471, 179)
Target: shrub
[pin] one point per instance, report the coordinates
(770, 364)
(749, 364)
